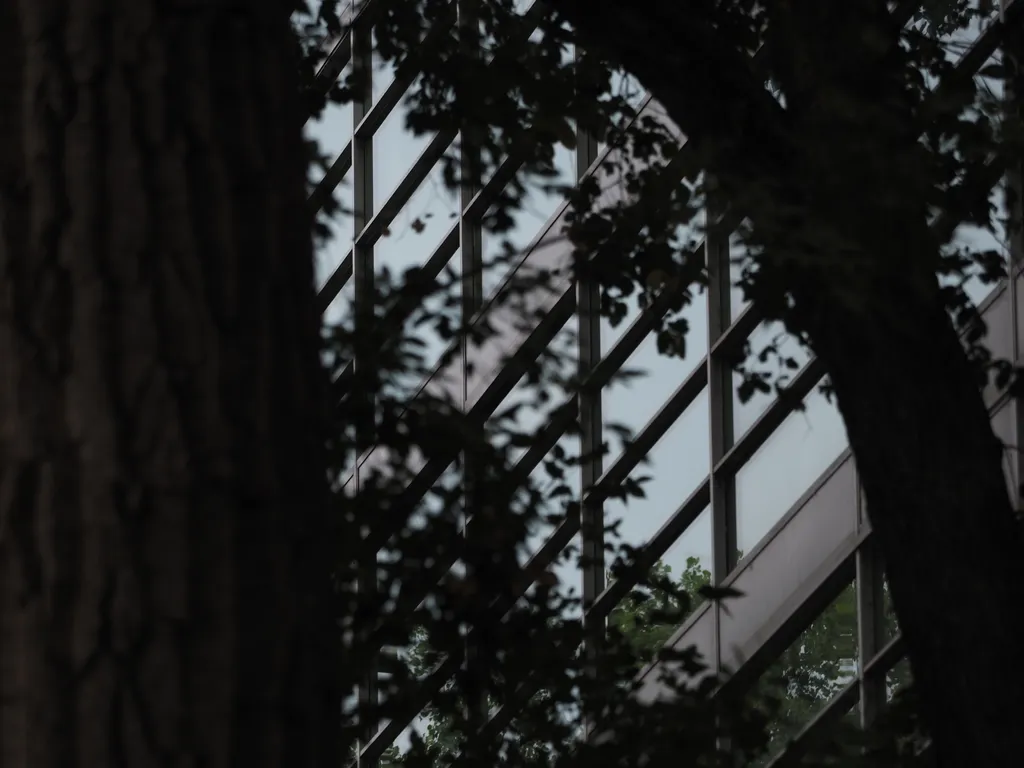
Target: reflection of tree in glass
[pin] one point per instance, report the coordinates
(816, 667)
(809, 673)
(649, 616)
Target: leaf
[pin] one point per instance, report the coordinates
(719, 593)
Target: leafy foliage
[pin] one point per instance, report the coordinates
(446, 588)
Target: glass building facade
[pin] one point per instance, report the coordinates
(767, 498)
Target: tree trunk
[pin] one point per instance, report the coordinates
(932, 471)
(162, 483)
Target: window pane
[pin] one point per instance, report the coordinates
(548, 479)
(636, 618)
(332, 252)
(737, 259)
(410, 241)
(685, 236)
(981, 239)
(538, 206)
(395, 149)
(383, 71)
(815, 668)
(339, 311)
(785, 467)
(689, 559)
(332, 130)
(632, 402)
(676, 466)
(746, 413)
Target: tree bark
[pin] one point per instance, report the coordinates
(926, 455)
(163, 498)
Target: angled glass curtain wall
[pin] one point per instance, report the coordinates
(727, 477)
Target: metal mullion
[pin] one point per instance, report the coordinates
(471, 285)
(886, 658)
(362, 272)
(369, 119)
(719, 375)
(870, 627)
(591, 420)
(419, 170)
(723, 511)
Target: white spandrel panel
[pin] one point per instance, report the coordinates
(699, 632)
(792, 553)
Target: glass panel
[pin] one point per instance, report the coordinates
(340, 309)
(383, 71)
(548, 480)
(737, 259)
(746, 413)
(816, 667)
(538, 206)
(957, 41)
(631, 401)
(435, 324)
(988, 107)
(627, 87)
(331, 252)
(649, 633)
(529, 407)
(689, 559)
(676, 466)
(420, 226)
(395, 149)
(980, 239)
(413, 237)
(332, 130)
(785, 467)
